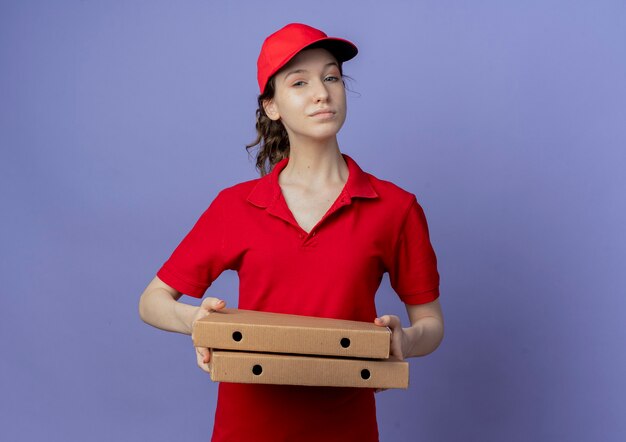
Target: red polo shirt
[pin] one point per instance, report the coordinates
(332, 271)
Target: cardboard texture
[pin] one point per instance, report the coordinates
(264, 368)
(235, 329)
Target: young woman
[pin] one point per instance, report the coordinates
(313, 236)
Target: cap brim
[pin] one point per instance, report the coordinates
(342, 50)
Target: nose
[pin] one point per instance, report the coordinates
(320, 91)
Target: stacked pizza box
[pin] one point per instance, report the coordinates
(273, 348)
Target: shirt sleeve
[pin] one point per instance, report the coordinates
(413, 273)
(203, 254)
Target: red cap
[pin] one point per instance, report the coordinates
(284, 44)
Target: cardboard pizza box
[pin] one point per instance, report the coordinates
(267, 368)
(236, 329)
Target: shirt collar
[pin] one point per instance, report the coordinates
(267, 189)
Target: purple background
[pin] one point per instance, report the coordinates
(120, 122)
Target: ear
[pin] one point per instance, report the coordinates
(271, 109)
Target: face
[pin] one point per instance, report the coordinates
(310, 98)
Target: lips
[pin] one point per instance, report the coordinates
(323, 112)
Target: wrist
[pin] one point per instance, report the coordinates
(186, 315)
(413, 335)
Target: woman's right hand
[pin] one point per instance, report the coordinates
(203, 356)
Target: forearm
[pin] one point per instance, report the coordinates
(424, 336)
(159, 309)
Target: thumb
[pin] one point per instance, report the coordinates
(210, 304)
(391, 321)
(383, 321)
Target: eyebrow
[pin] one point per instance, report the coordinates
(300, 71)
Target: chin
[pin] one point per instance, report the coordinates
(320, 134)
(324, 133)
(323, 138)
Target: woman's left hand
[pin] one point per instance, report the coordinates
(400, 340)
(422, 337)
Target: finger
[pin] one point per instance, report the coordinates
(213, 304)
(201, 362)
(203, 366)
(204, 354)
(390, 321)
(394, 322)
(218, 304)
(199, 358)
(382, 322)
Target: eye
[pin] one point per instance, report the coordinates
(299, 83)
(332, 78)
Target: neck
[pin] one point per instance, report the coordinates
(314, 164)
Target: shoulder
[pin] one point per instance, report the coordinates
(232, 197)
(239, 190)
(229, 204)
(380, 191)
(391, 193)
(404, 217)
